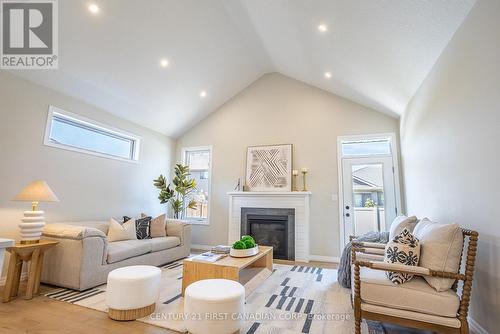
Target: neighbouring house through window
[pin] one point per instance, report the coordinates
(199, 161)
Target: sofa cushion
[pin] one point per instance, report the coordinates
(403, 249)
(440, 249)
(158, 244)
(125, 231)
(416, 295)
(66, 231)
(158, 228)
(121, 250)
(400, 223)
(97, 224)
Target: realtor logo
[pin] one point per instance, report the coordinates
(29, 34)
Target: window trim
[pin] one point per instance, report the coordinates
(112, 131)
(184, 150)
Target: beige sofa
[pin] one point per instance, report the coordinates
(84, 257)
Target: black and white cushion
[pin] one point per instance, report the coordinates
(142, 227)
(403, 249)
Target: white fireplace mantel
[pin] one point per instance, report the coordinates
(298, 200)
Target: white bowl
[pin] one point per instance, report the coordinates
(244, 252)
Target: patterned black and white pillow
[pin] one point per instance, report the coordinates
(142, 227)
(403, 249)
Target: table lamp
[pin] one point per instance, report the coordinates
(33, 221)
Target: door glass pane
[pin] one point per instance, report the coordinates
(368, 198)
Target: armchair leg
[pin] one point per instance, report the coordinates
(357, 324)
(464, 328)
(357, 300)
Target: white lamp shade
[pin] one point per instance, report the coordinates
(37, 191)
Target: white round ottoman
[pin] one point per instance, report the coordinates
(214, 306)
(132, 292)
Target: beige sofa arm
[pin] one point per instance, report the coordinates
(179, 229)
(75, 232)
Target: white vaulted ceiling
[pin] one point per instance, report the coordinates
(378, 52)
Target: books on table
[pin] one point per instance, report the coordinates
(221, 249)
(208, 257)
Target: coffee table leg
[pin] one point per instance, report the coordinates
(196, 271)
(265, 262)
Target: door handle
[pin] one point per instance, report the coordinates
(347, 207)
(347, 214)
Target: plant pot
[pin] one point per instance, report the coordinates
(244, 252)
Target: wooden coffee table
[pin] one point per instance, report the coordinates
(249, 271)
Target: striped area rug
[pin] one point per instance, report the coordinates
(294, 299)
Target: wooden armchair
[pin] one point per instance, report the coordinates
(415, 303)
(366, 251)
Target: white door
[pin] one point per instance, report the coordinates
(369, 197)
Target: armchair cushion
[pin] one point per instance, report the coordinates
(403, 249)
(441, 249)
(400, 223)
(416, 295)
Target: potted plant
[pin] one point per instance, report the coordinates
(179, 195)
(244, 247)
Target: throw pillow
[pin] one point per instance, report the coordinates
(157, 226)
(143, 227)
(125, 231)
(403, 249)
(400, 223)
(441, 250)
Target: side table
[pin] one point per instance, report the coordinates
(25, 253)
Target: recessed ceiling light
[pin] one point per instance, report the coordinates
(203, 94)
(93, 8)
(328, 75)
(322, 28)
(163, 62)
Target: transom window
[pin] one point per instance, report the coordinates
(69, 131)
(199, 161)
(366, 147)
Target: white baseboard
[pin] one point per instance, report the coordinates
(322, 258)
(24, 277)
(475, 327)
(201, 247)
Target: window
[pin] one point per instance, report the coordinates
(199, 160)
(76, 133)
(378, 146)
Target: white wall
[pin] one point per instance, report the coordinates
(88, 187)
(450, 136)
(274, 110)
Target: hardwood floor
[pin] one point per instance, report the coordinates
(42, 315)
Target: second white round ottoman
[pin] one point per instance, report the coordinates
(132, 292)
(214, 306)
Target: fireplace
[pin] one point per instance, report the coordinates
(271, 227)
